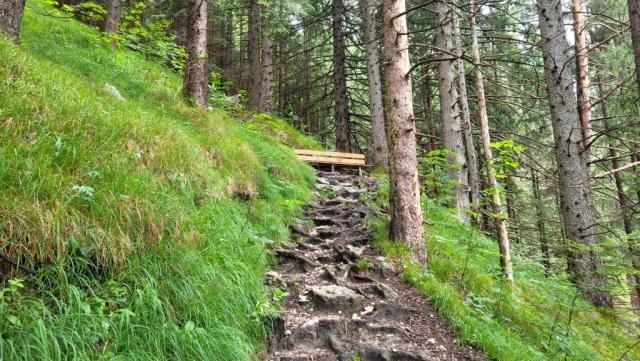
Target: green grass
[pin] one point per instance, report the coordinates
(541, 319)
(146, 222)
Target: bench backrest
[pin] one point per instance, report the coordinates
(322, 157)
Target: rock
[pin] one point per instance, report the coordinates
(334, 296)
(356, 251)
(114, 91)
(273, 277)
(367, 310)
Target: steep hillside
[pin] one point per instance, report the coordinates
(139, 226)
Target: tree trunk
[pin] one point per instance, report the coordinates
(582, 70)
(10, 17)
(380, 152)
(215, 39)
(306, 97)
(634, 20)
(266, 96)
(542, 232)
(576, 199)
(255, 65)
(228, 43)
(472, 160)
(111, 22)
(510, 190)
(428, 112)
(343, 126)
(196, 75)
(501, 224)
(406, 214)
(449, 109)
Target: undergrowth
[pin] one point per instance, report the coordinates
(540, 319)
(140, 227)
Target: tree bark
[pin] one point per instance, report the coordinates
(255, 65)
(196, 75)
(228, 43)
(111, 22)
(470, 151)
(306, 97)
(343, 126)
(449, 109)
(575, 194)
(542, 232)
(427, 101)
(406, 214)
(380, 152)
(11, 17)
(266, 96)
(510, 190)
(500, 221)
(582, 70)
(634, 20)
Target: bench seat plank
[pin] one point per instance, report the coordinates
(340, 155)
(331, 160)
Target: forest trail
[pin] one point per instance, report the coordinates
(346, 301)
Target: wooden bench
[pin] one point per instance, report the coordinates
(332, 158)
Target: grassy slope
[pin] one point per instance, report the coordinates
(146, 220)
(542, 319)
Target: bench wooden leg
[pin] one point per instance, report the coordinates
(360, 172)
(333, 168)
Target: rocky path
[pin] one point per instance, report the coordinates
(345, 301)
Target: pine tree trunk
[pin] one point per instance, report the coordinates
(255, 65)
(196, 75)
(111, 22)
(510, 190)
(380, 152)
(582, 70)
(306, 97)
(266, 96)
(406, 214)
(228, 42)
(470, 151)
(542, 232)
(634, 20)
(343, 126)
(428, 112)
(449, 109)
(575, 193)
(500, 221)
(10, 17)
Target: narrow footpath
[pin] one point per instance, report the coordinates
(346, 301)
